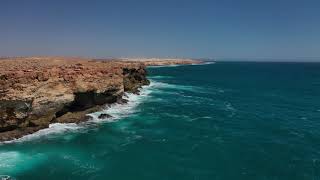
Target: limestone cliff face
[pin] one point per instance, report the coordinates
(134, 78)
(35, 92)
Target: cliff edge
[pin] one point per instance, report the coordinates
(35, 92)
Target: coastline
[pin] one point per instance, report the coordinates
(116, 110)
(70, 105)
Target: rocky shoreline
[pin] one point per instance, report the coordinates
(38, 91)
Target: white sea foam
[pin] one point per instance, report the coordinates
(14, 162)
(8, 159)
(230, 108)
(162, 85)
(117, 111)
(197, 118)
(55, 128)
(160, 77)
(5, 177)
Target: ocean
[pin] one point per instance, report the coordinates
(221, 121)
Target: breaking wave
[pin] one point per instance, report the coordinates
(55, 128)
(117, 111)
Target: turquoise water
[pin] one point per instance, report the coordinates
(218, 121)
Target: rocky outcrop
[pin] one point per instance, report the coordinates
(134, 78)
(35, 92)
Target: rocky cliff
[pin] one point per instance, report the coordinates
(35, 92)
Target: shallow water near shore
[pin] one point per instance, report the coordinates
(215, 121)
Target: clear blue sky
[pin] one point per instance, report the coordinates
(160, 28)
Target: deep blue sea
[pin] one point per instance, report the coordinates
(221, 121)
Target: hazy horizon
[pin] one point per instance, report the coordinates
(264, 30)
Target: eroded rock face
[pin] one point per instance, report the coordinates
(134, 78)
(35, 92)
